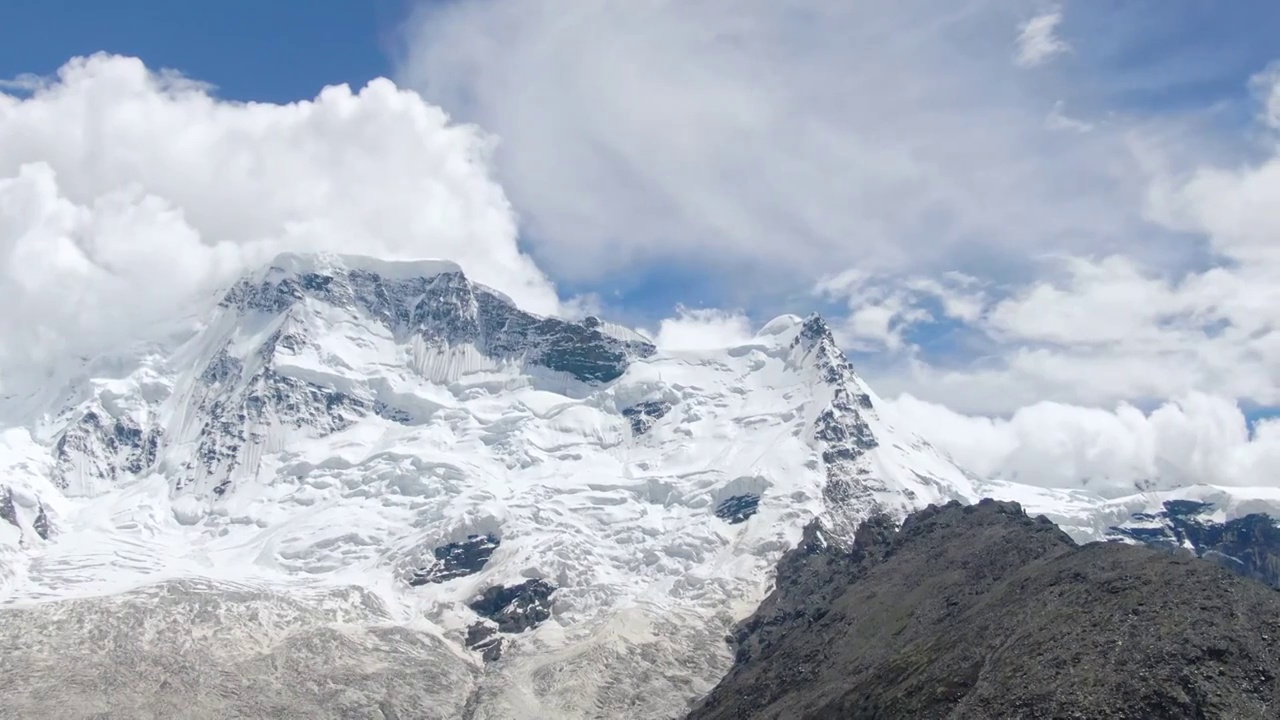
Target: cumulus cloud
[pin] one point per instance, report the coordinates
(703, 329)
(1105, 330)
(125, 193)
(1197, 439)
(1038, 39)
(1198, 311)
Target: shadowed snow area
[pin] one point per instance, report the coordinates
(348, 457)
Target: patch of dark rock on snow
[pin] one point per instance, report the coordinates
(483, 638)
(457, 559)
(392, 413)
(8, 510)
(516, 608)
(1249, 545)
(643, 415)
(980, 612)
(738, 508)
(41, 523)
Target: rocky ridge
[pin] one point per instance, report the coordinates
(983, 612)
(1249, 544)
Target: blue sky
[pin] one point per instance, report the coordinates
(274, 51)
(804, 156)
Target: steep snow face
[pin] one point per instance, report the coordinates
(579, 516)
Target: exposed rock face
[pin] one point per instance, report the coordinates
(248, 401)
(8, 511)
(1249, 545)
(738, 509)
(484, 639)
(447, 308)
(845, 434)
(459, 559)
(982, 612)
(643, 415)
(103, 447)
(41, 523)
(516, 608)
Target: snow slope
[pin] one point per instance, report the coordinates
(337, 422)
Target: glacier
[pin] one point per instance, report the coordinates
(434, 504)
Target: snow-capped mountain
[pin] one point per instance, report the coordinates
(549, 496)
(567, 519)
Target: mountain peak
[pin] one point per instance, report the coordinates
(489, 470)
(323, 263)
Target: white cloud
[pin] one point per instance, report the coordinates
(1038, 39)
(1198, 439)
(1111, 329)
(1196, 311)
(126, 192)
(1057, 119)
(883, 309)
(1101, 261)
(1266, 85)
(26, 83)
(776, 140)
(703, 329)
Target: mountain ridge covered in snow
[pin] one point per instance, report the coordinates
(567, 516)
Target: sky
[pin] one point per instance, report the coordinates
(1042, 230)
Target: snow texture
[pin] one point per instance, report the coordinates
(563, 520)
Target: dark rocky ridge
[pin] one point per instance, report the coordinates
(449, 308)
(840, 427)
(982, 612)
(440, 309)
(1249, 545)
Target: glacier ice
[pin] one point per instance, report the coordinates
(388, 458)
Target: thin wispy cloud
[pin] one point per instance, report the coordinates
(798, 138)
(24, 83)
(1038, 40)
(1057, 119)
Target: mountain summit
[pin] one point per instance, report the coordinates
(369, 471)
(556, 503)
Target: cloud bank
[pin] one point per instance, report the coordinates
(126, 192)
(1103, 328)
(1198, 439)
(990, 254)
(773, 140)
(703, 329)
(985, 249)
